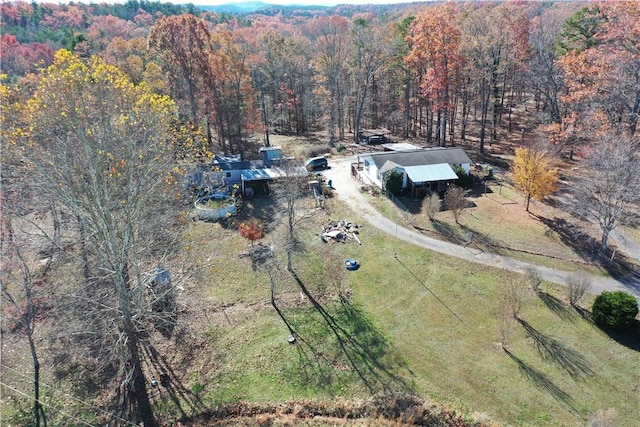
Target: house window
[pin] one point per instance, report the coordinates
(228, 174)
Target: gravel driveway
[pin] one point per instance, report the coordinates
(348, 191)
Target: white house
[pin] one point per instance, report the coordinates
(429, 169)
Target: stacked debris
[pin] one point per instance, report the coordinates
(340, 231)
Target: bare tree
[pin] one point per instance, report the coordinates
(431, 206)
(577, 285)
(331, 51)
(288, 192)
(108, 163)
(333, 282)
(23, 290)
(512, 297)
(455, 201)
(533, 279)
(610, 184)
(505, 326)
(370, 51)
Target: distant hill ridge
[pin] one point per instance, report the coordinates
(252, 6)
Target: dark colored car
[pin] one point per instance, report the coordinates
(317, 164)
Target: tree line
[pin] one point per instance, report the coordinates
(428, 72)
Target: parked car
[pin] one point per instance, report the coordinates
(317, 164)
(377, 139)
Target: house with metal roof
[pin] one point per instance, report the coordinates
(229, 174)
(428, 169)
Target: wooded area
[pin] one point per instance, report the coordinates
(423, 71)
(104, 106)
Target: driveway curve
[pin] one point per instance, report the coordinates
(347, 190)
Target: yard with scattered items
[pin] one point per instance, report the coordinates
(408, 320)
(409, 326)
(414, 321)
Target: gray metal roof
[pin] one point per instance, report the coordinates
(430, 173)
(272, 173)
(428, 156)
(388, 166)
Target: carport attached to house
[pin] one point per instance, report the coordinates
(422, 177)
(259, 178)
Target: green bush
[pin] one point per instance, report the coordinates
(340, 148)
(393, 182)
(614, 309)
(464, 179)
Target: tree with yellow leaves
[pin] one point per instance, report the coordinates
(533, 173)
(99, 148)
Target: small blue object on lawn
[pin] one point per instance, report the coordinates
(351, 264)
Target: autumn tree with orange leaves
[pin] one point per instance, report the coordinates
(182, 43)
(435, 51)
(602, 75)
(230, 90)
(329, 38)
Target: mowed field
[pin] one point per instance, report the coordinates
(408, 320)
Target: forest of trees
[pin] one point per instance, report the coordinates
(103, 104)
(421, 71)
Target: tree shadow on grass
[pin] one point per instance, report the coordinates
(572, 236)
(588, 248)
(557, 306)
(164, 378)
(368, 353)
(542, 382)
(551, 349)
(483, 241)
(313, 367)
(584, 313)
(449, 232)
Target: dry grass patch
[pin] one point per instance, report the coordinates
(302, 147)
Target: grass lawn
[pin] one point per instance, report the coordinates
(410, 320)
(497, 222)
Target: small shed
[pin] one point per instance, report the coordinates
(373, 136)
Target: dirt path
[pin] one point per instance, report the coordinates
(348, 191)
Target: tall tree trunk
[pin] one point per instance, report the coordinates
(495, 107)
(84, 253)
(133, 345)
(443, 130)
(340, 111)
(361, 96)
(604, 240)
(407, 109)
(484, 92)
(38, 411)
(265, 119)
